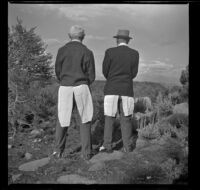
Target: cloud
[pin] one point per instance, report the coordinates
(160, 64)
(92, 37)
(153, 66)
(76, 12)
(84, 12)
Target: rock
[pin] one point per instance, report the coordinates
(141, 143)
(36, 132)
(34, 165)
(28, 156)
(116, 155)
(97, 166)
(10, 146)
(74, 179)
(181, 108)
(15, 177)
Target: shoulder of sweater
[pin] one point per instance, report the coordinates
(88, 50)
(134, 50)
(113, 49)
(70, 44)
(110, 49)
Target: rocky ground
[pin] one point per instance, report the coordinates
(29, 161)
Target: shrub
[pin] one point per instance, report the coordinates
(98, 109)
(142, 105)
(151, 131)
(42, 106)
(180, 134)
(184, 80)
(175, 142)
(175, 97)
(171, 169)
(164, 105)
(178, 120)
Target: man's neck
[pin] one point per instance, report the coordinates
(76, 40)
(122, 44)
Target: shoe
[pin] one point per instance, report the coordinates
(127, 150)
(57, 155)
(103, 149)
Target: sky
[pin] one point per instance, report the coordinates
(160, 32)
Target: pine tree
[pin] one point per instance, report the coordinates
(28, 61)
(184, 80)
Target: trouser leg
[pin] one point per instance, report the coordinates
(108, 129)
(61, 135)
(126, 129)
(85, 134)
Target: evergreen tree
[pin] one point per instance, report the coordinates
(184, 80)
(28, 61)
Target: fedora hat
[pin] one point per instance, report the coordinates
(123, 34)
(76, 31)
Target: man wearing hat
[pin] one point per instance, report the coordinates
(75, 71)
(120, 67)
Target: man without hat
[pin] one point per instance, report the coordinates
(75, 71)
(120, 67)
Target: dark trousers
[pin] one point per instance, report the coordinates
(85, 134)
(126, 129)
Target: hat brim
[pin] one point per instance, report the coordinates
(123, 37)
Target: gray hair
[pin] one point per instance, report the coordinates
(76, 32)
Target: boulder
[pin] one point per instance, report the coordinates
(34, 165)
(97, 166)
(115, 155)
(74, 179)
(181, 108)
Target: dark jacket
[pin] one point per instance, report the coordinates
(120, 67)
(75, 65)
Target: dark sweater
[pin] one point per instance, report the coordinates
(75, 65)
(120, 67)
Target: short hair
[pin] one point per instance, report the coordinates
(76, 32)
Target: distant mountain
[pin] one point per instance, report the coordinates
(141, 89)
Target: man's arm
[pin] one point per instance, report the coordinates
(106, 65)
(58, 65)
(91, 68)
(135, 66)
